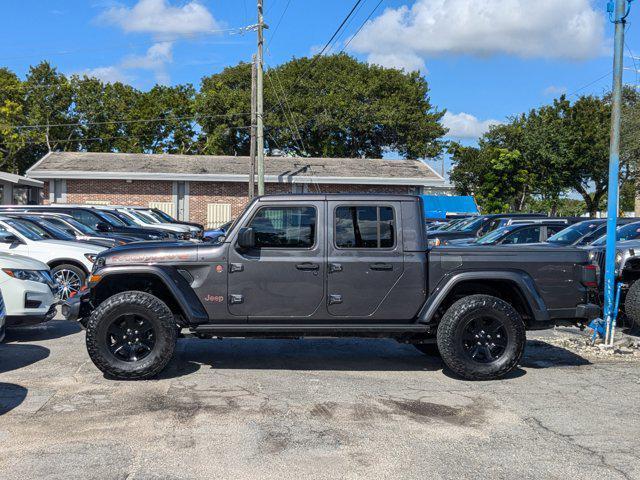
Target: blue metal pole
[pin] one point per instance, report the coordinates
(614, 161)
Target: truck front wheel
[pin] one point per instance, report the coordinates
(131, 336)
(481, 337)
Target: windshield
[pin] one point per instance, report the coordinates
(473, 225)
(28, 229)
(162, 216)
(78, 226)
(52, 231)
(627, 232)
(494, 236)
(140, 216)
(572, 234)
(111, 219)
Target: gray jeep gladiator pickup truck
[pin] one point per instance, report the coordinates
(330, 265)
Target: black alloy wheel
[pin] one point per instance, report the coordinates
(131, 337)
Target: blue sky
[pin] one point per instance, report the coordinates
(484, 59)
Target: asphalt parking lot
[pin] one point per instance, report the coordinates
(312, 409)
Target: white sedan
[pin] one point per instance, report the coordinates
(70, 262)
(2, 318)
(29, 291)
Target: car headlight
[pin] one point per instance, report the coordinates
(30, 275)
(618, 258)
(592, 256)
(91, 257)
(434, 242)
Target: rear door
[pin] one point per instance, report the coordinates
(365, 257)
(283, 276)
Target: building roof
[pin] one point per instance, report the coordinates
(139, 166)
(19, 180)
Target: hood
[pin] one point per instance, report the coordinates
(149, 252)
(79, 247)
(9, 260)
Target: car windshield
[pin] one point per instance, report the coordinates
(473, 225)
(162, 216)
(141, 216)
(79, 226)
(112, 220)
(53, 231)
(572, 234)
(458, 224)
(28, 229)
(494, 236)
(626, 232)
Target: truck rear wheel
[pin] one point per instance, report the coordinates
(481, 337)
(632, 304)
(131, 336)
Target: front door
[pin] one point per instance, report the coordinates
(283, 276)
(365, 257)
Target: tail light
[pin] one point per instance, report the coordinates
(590, 274)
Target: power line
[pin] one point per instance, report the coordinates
(361, 26)
(275, 30)
(608, 74)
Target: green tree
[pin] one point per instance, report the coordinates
(339, 107)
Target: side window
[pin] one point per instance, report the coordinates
(364, 227)
(553, 229)
(4, 233)
(523, 235)
(285, 227)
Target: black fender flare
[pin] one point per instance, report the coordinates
(520, 279)
(193, 310)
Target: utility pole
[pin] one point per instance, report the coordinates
(252, 147)
(620, 12)
(259, 102)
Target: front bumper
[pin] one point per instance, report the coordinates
(78, 307)
(31, 319)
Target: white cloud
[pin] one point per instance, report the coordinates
(156, 59)
(402, 37)
(111, 74)
(553, 90)
(465, 125)
(160, 18)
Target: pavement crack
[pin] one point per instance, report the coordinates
(568, 438)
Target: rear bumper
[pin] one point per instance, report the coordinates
(588, 311)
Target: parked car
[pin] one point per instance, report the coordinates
(196, 229)
(30, 292)
(515, 234)
(214, 234)
(584, 232)
(83, 233)
(70, 262)
(630, 231)
(627, 273)
(478, 227)
(144, 220)
(55, 233)
(97, 220)
(3, 316)
(331, 265)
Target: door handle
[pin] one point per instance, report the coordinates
(235, 299)
(381, 266)
(334, 299)
(335, 267)
(308, 266)
(236, 267)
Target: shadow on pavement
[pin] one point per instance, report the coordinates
(44, 331)
(13, 357)
(540, 354)
(11, 395)
(309, 354)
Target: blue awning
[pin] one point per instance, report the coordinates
(439, 206)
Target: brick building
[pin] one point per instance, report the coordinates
(213, 189)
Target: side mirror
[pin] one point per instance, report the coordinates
(10, 239)
(103, 227)
(246, 238)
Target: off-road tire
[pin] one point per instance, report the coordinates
(450, 331)
(632, 305)
(429, 349)
(156, 312)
